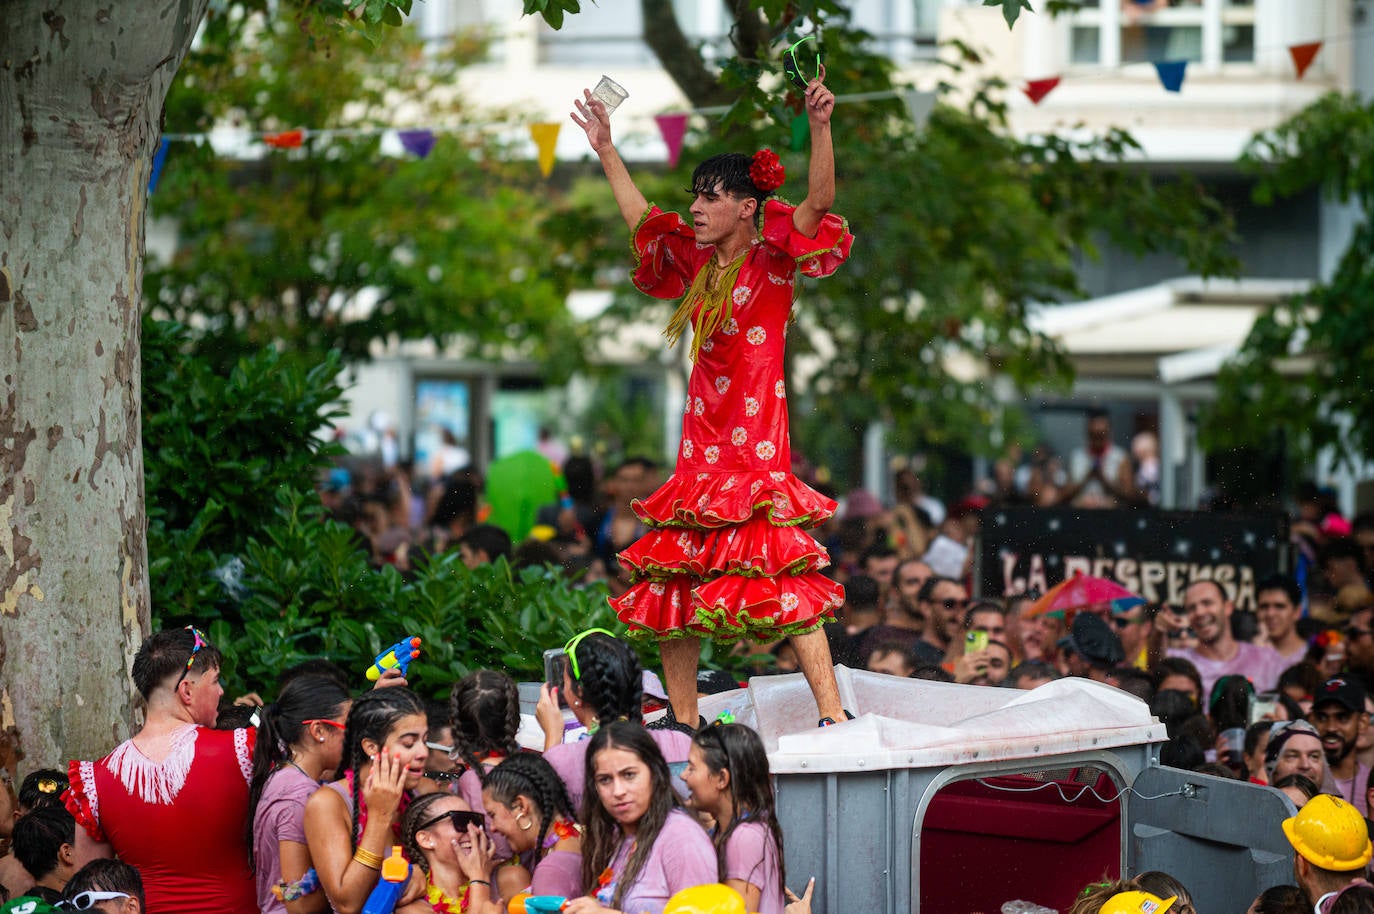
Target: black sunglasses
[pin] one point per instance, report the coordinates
(461, 819)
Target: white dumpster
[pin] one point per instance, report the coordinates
(948, 799)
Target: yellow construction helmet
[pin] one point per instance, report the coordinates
(1330, 833)
(1137, 903)
(712, 898)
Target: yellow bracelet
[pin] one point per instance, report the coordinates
(368, 859)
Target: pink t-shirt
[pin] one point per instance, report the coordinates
(1261, 665)
(682, 857)
(751, 856)
(280, 817)
(559, 873)
(570, 759)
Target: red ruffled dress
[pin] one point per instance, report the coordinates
(727, 554)
(179, 821)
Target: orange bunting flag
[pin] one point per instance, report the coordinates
(1303, 55)
(1037, 89)
(545, 137)
(291, 139)
(673, 127)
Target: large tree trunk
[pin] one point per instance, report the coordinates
(82, 86)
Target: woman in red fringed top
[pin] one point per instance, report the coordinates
(727, 555)
(173, 800)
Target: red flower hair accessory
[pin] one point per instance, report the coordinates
(766, 171)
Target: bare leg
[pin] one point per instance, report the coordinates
(813, 653)
(681, 657)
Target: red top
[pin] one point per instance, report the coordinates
(727, 554)
(181, 822)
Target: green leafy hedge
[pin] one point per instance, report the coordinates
(239, 544)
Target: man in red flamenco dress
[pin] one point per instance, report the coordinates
(727, 555)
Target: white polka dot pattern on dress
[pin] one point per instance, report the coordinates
(687, 447)
(751, 406)
(789, 601)
(739, 436)
(730, 327)
(779, 390)
(765, 450)
(712, 454)
(699, 405)
(722, 384)
(756, 335)
(741, 294)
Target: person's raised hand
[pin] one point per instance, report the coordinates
(386, 782)
(800, 905)
(392, 678)
(476, 860)
(549, 715)
(970, 666)
(594, 120)
(820, 101)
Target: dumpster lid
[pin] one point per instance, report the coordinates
(905, 723)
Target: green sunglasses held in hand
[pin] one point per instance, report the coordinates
(793, 71)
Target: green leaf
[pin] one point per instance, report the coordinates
(1011, 9)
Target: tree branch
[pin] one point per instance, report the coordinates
(674, 50)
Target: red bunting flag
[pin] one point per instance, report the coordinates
(674, 128)
(1303, 55)
(291, 139)
(1037, 89)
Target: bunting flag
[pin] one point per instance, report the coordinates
(1303, 55)
(417, 142)
(919, 105)
(674, 128)
(545, 137)
(801, 129)
(1171, 73)
(1037, 89)
(290, 139)
(159, 159)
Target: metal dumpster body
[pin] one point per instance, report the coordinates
(947, 799)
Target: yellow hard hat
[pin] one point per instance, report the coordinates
(1330, 833)
(1137, 903)
(712, 898)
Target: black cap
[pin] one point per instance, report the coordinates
(1344, 692)
(1093, 639)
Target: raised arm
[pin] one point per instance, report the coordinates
(820, 186)
(596, 123)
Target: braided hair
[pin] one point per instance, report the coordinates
(310, 697)
(610, 678)
(602, 836)
(739, 750)
(419, 811)
(372, 716)
(530, 776)
(485, 707)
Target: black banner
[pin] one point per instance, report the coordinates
(1152, 553)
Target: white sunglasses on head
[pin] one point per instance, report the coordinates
(84, 901)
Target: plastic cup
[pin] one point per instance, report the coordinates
(610, 92)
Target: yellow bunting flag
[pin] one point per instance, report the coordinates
(545, 136)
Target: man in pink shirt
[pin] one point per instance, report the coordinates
(1218, 653)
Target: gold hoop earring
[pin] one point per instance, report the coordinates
(526, 825)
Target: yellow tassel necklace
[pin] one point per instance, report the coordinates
(712, 288)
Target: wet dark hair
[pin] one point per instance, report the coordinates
(43, 787)
(39, 836)
(531, 776)
(602, 837)
(739, 750)
(372, 716)
(729, 170)
(165, 653)
(283, 726)
(484, 707)
(487, 538)
(106, 875)
(610, 679)
(861, 592)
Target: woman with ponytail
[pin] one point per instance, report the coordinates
(639, 846)
(528, 805)
(602, 682)
(300, 742)
(727, 774)
(485, 709)
(351, 826)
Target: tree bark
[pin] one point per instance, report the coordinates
(664, 36)
(82, 86)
